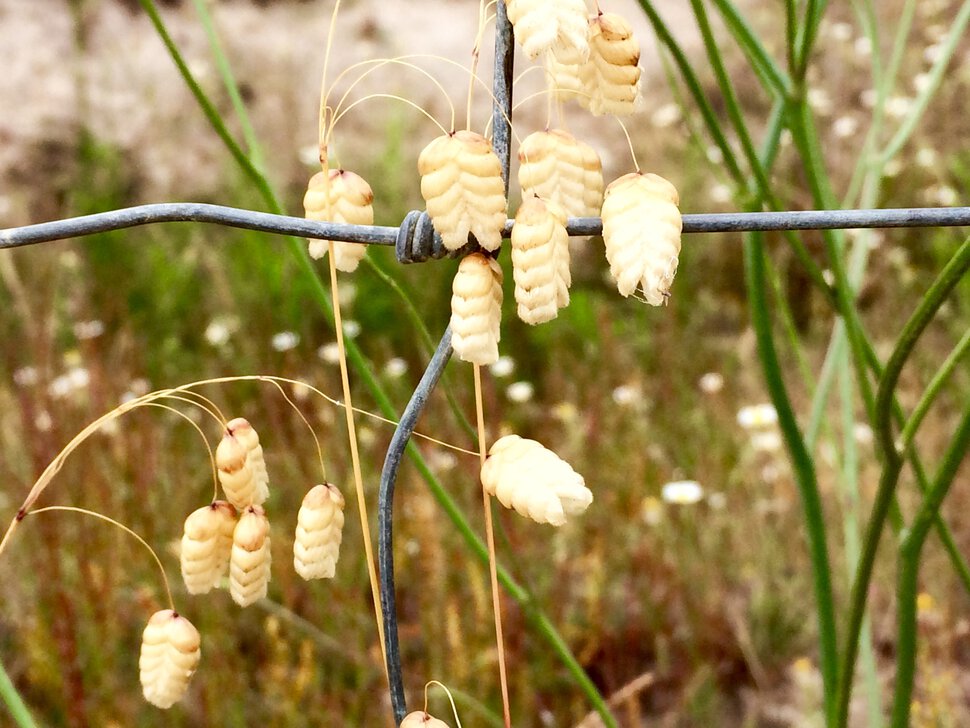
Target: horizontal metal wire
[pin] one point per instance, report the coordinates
(380, 235)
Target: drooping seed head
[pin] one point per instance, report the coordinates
(641, 231)
(339, 196)
(461, 182)
(476, 309)
(250, 560)
(420, 719)
(556, 166)
(319, 531)
(534, 481)
(170, 653)
(611, 76)
(206, 546)
(241, 465)
(540, 260)
(559, 27)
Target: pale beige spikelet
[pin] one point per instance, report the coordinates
(564, 79)
(250, 561)
(476, 309)
(611, 76)
(641, 230)
(540, 260)
(246, 434)
(556, 166)
(206, 546)
(170, 652)
(534, 481)
(461, 182)
(560, 27)
(241, 465)
(339, 196)
(319, 530)
(420, 719)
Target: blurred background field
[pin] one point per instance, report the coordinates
(705, 603)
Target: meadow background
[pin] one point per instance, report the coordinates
(691, 613)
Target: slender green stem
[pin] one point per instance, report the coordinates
(15, 703)
(791, 35)
(764, 65)
(908, 573)
(804, 469)
(814, 10)
(937, 72)
(892, 463)
(360, 364)
(229, 81)
(932, 391)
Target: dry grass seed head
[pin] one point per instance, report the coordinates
(319, 531)
(461, 182)
(242, 466)
(421, 719)
(560, 27)
(611, 76)
(170, 652)
(476, 309)
(534, 481)
(206, 546)
(565, 82)
(556, 166)
(250, 561)
(339, 196)
(641, 231)
(540, 260)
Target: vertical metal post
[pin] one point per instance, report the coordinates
(501, 142)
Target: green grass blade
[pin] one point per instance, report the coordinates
(16, 706)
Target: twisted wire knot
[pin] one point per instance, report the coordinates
(417, 241)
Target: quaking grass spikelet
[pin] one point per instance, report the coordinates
(461, 182)
(611, 76)
(476, 309)
(241, 465)
(319, 532)
(559, 27)
(170, 653)
(339, 196)
(556, 166)
(534, 481)
(421, 719)
(540, 260)
(206, 546)
(641, 230)
(250, 561)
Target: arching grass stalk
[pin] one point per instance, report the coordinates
(16, 706)
(908, 570)
(802, 465)
(537, 617)
(951, 275)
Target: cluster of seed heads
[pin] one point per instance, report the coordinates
(218, 539)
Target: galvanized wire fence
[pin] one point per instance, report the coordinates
(415, 241)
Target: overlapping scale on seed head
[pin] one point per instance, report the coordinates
(339, 196)
(641, 230)
(420, 719)
(556, 166)
(250, 560)
(540, 260)
(241, 465)
(319, 531)
(170, 652)
(564, 79)
(476, 309)
(611, 76)
(206, 546)
(534, 481)
(557, 26)
(461, 182)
